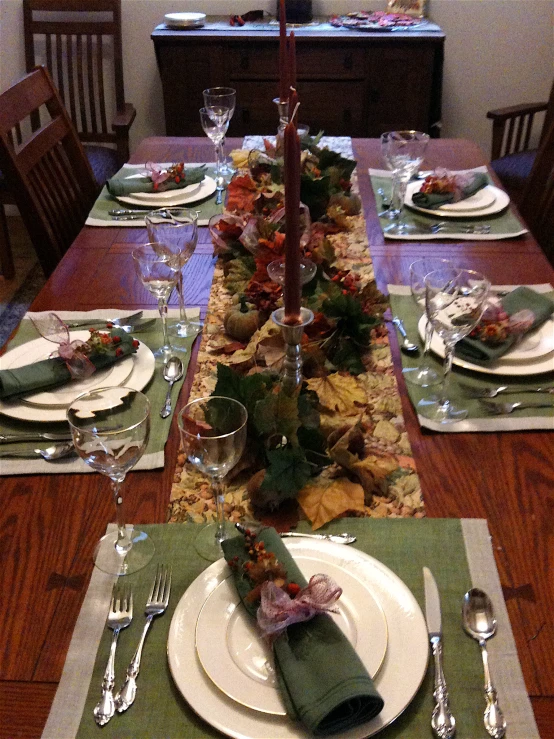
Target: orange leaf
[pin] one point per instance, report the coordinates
(325, 500)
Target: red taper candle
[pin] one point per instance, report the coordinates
(292, 62)
(293, 286)
(283, 53)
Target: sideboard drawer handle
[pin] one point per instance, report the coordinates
(245, 62)
(349, 62)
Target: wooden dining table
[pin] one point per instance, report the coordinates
(49, 524)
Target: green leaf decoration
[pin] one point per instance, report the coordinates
(287, 472)
(277, 415)
(238, 273)
(247, 390)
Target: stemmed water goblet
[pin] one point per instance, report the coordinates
(403, 152)
(215, 128)
(454, 303)
(220, 103)
(158, 270)
(176, 230)
(213, 435)
(110, 429)
(424, 375)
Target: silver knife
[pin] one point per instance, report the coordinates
(442, 720)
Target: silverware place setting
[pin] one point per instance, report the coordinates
(49, 453)
(155, 606)
(446, 227)
(407, 346)
(498, 408)
(172, 372)
(120, 616)
(119, 321)
(34, 436)
(491, 392)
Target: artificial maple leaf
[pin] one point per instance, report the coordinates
(286, 473)
(241, 194)
(277, 415)
(339, 393)
(324, 500)
(348, 451)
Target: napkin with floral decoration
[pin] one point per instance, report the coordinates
(322, 680)
(444, 187)
(156, 179)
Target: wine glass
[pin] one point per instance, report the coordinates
(213, 435)
(220, 102)
(177, 230)
(424, 375)
(158, 270)
(403, 152)
(215, 128)
(454, 303)
(110, 429)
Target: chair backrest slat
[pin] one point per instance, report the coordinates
(48, 172)
(537, 205)
(100, 84)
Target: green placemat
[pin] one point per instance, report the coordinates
(99, 215)
(478, 420)
(404, 545)
(504, 224)
(155, 390)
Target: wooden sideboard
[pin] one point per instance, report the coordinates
(350, 83)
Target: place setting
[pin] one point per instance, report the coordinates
(498, 355)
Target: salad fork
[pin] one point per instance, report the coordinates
(491, 392)
(155, 606)
(499, 409)
(122, 320)
(119, 617)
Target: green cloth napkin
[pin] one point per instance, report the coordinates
(51, 373)
(434, 200)
(322, 680)
(479, 352)
(122, 184)
(403, 545)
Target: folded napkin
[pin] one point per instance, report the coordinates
(51, 373)
(433, 200)
(322, 680)
(118, 185)
(480, 352)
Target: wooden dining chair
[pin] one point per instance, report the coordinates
(46, 169)
(537, 204)
(512, 152)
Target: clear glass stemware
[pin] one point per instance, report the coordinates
(403, 152)
(424, 375)
(110, 429)
(158, 270)
(220, 102)
(215, 128)
(454, 303)
(177, 230)
(213, 435)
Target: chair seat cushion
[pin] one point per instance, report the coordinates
(103, 161)
(513, 171)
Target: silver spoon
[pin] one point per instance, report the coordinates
(172, 371)
(344, 538)
(480, 623)
(405, 345)
(49, 454)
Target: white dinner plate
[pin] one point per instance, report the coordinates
(500, 201)
(141, 373)
(243, 668)
(179, 197)
(185, 20)
(39, 349)
(398, 680)
(513, 362)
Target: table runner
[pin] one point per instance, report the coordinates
(504, 225)
(403, 545)
(155, 390)
(403, 305)
(397, 492)
(99, 215)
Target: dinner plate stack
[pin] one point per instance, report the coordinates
(184, 20)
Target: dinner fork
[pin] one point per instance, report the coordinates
(122, 320)
(155, 606)
(443, 227)
(495, 408)
(491, 392)
(120, 616)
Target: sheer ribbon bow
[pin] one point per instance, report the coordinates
(52, 328)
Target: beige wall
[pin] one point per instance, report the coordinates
(498, 52)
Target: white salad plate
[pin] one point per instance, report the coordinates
(138, 370)
(243, 667)
(39, 349)
(500, 200)
(397, 681)
(198, 191)
(538, 358)
(185, 20)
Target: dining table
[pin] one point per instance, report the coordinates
(50, 523)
